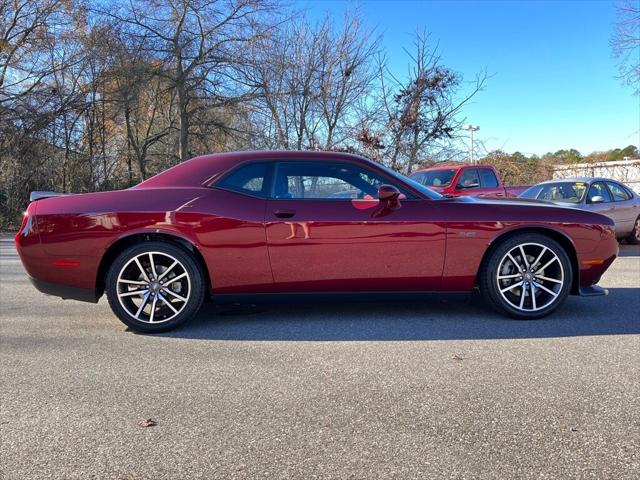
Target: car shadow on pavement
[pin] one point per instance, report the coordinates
(436, 318)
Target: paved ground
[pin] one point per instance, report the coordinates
(437, 389)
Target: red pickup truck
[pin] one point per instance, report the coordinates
(458, 180)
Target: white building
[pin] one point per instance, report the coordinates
(625, 171)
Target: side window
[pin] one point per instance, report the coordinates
(619, 193)
(468, 179)
(598, 189)
(249, 179)
(488, 178)
(326, 180)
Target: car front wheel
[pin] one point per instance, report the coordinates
(527, 276)
(155, 286)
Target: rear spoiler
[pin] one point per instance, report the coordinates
(41, 195)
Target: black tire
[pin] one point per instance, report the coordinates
(191, 287)
(634, 236)
(506, 302)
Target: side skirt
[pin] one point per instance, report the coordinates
(337, 297)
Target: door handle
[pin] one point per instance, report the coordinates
(284, 213)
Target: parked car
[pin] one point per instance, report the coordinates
(240, 225)
(471, 180)
(601, 195)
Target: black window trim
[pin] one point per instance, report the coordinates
(383, 174)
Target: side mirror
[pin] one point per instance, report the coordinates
(597, 199)
(389, 195)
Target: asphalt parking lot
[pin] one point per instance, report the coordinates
(441, 388)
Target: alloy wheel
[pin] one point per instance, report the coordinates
(530, 277)
(153, 287)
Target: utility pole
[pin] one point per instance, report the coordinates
(471, 129)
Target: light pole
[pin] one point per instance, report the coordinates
(471, 129)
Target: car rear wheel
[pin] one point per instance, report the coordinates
(634, 236)
(155, 286)
(527, 276)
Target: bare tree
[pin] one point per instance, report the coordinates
(420, 110)
(626, 42)
(313, 80)
(199, 44)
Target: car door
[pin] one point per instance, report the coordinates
(625, 209)
(489, 185)
(327, 232)
(232, 236)
(598, 199)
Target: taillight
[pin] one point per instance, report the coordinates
(26, 226)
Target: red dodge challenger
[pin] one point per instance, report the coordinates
(270, 223)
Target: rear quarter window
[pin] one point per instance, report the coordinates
(251, 179)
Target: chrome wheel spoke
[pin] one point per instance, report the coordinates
(537, 260)
(533, 296)
(546, 265)
(133, 292)
(506, 277)
(144, 273)
(175, 279)
(548, 290)
(511, 287)
(153, 266)
(133, 282)
(522, 296)
(164, 274)
(143, 304)
(515, 262)
(547, 279)
(153, 308)
(174, 294)
(168, 303)
(524, 257)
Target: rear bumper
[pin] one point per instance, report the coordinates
(65, 291)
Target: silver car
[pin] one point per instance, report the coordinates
(602, 195)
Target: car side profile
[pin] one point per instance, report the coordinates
(601, 195)
(462, 180)
(252, 224)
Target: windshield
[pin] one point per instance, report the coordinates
(567, 192)
(434, 178)
(418, 186)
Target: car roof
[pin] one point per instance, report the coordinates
(581, 179)
(198, 170)
(452, 167)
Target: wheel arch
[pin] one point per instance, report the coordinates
(563, 239)
(122, 243)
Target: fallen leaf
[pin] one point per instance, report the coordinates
(148, 422)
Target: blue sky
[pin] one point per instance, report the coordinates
(553, 79)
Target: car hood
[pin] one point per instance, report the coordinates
(524, 202)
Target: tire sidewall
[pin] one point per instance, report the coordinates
(489, 282)
(192, 268)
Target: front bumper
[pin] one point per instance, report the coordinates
(593, 291)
